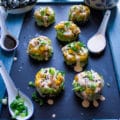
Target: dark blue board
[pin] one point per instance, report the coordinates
(67, 106)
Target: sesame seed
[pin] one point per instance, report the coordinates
(15, 58)
(53, 115)
(108, 84)
(82, 113)
(20, 67)
(4, 101)
(19, 70)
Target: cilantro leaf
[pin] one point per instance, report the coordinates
(67, 24)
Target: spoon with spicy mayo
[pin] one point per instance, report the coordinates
(97, 43)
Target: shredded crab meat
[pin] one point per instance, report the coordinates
(75, 55)
(34, 42)
(79, 10)
(91, 83)
(71, 29)
(48, 80)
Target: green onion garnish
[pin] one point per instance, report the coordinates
(18, 107)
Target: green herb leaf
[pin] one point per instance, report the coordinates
(18, 107)
(67, 24)
(74, 49)
(18, 96)
(89, 75)
(37, 99)
(41, 102)
(42, 70)
(93, 87)
(62, 85)
(42, 12)
(77, 87)
(81, 44)
(42, 42)
(72, 46)
(34, 96)
(31, 84)
(13, 117)
(75, 7)
(61, 72)
(52, 71)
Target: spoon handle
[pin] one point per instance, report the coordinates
(10, 86)
(104, 23)
(2, 20)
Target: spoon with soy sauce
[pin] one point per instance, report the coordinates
(7, 41)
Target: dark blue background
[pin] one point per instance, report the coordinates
(67, 105)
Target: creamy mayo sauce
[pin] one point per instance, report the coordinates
(97, 43)
(95, 103)
(78, 67)
(45, 19)
(68, 33)
(85, 103)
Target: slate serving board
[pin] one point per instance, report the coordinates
(67, 106)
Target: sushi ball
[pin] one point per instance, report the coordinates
(67, 31)
(79, 13)
(88, 86)
(49, 82)
(40, 48)
(44, 16)
(75, 54)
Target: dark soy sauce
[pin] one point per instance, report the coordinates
(9, 42)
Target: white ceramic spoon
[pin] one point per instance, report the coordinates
(97, 43)
(7, 41)
(13, 92)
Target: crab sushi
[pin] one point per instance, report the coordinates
(49, 82)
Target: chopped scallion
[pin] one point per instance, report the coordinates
(31, 84)
(37, 99)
